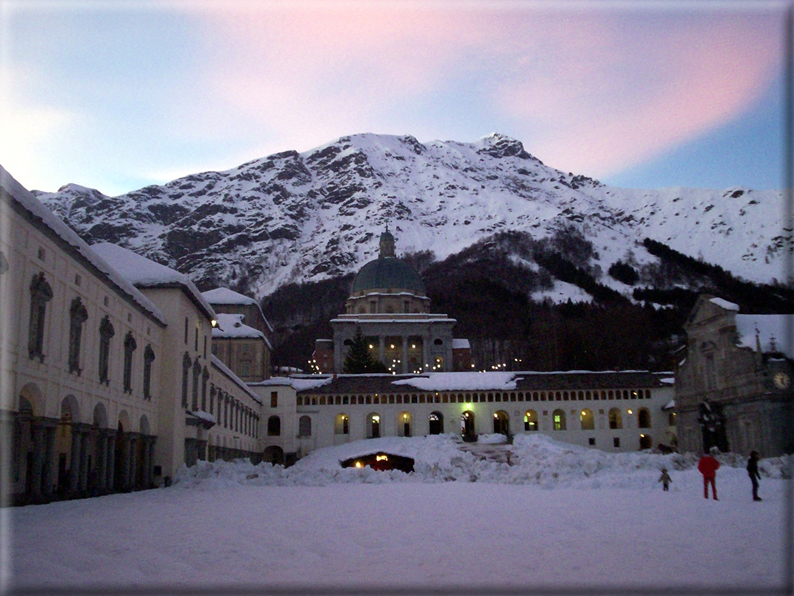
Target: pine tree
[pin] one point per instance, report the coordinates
(358, 360)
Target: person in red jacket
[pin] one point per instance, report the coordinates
(708, 466)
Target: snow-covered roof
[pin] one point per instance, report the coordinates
(462, 381)
(460, 344)
(725, 304)
(65, 234)
(297, 383)
(145, 273)
(227, 296)
(216, 362)
(669, 405)
(772, 332)
(231, 326)
(206, 416)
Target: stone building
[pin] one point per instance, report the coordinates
(80, 353)
(734, 388)
(242, 334)
(107, 382)
(610, 411)
(215, 407)
(389, 305)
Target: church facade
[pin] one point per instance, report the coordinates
(734, 389)
(388, 304)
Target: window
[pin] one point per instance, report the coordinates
(186, 326)
(342, 424)
(77, 316)
(531, 420)
(106, 332)
(205, 377)
(186, 362)
(196, 376)
(404, 425)
(644, 418)
(305, 426)
(591, 441)
(274, 399)
(615, 418)
(436, 423)
(148, 358)
(273, 426)
(212, 398)
(130, 346)
(205, 346)
(40, 295)
(616, 441)
(373, 426)
(558, 418)
(587, 419)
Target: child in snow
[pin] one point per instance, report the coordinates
(665, 479)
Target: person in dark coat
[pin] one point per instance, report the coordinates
(752, 470)
(665, 479)
(708, 466)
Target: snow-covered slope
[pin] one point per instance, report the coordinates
(313, 215)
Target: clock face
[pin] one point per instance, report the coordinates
(782, 380)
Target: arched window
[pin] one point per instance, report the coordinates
(130, 345)
(436, 423)
(40, 295)
(373, 426)
(558, 420)
(615, 418)
(587, 419)
(106, 332)
(196, 376)
(186, 362)
(205, 377)
(273, 426)
(404, 424)
(342, 424)
(530, 420)
(305, 426)
(644, 418)
(77, 316)
(148, 358)
(501, 423)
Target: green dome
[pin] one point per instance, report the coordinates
(388, 273)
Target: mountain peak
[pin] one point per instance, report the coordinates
(314, 215)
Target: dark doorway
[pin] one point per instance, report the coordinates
(467, 427)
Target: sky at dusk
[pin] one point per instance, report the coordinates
(117, 95)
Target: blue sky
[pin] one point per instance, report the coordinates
(116, 95)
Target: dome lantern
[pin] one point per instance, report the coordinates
(386, 244)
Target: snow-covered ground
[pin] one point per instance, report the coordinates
(558, 515)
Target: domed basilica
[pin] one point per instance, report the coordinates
(389, 305)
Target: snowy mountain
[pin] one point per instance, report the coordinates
(294, 217)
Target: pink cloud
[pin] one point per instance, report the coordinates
(592, 91)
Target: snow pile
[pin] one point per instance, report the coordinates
(533, 460)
